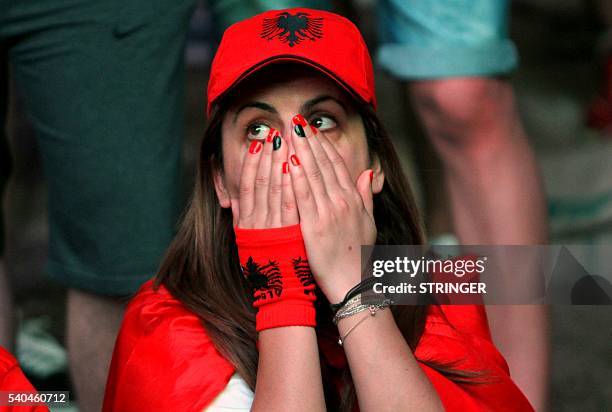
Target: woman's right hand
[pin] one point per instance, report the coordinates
(266, 198)
(269, 240)
(286, 316)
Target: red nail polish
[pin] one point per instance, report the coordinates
(314, 129)
(285, 167)
(294, 160)
(298, 119)
(255, 146)
(371, 176)
(271, 135)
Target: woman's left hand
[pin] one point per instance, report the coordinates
(336, 215)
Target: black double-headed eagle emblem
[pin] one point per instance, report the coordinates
(292, 28)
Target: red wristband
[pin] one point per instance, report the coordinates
(275, 264)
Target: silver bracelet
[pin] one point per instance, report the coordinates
(351, 304)
(349, 307)
(352, 309)
(373, 309)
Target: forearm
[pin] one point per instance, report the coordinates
(273, 261)
(386, 374)
(289, 373)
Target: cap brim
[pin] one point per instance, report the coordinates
(280, 59)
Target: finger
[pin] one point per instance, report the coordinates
(289, 211)
(304, 197)
(299, 136)
(364, 187)
(325, 165)
(342, 174)
(247, 180)
(279, 155)
(262, 182)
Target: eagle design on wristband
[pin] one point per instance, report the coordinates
(302, 271)
(264, 279)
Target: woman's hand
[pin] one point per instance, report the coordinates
(284, 297)
(336, 216)
(266, 197)
(270, 244)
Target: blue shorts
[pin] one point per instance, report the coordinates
(443, 38)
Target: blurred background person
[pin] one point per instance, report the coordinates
(6, 301)
(455, 56)
(103, 87)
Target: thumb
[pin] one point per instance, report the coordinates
(364, 187)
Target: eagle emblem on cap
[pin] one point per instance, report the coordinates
(292, 28)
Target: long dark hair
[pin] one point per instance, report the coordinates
(201, 268)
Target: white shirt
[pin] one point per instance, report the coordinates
(236, 397)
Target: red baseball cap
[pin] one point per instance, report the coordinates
(325, 41)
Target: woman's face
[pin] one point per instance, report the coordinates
(260, 107)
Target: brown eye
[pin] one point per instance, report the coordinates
(257, 131)
(323, 123)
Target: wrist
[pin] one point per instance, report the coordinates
(286, 313)
(347, 326)
(250, 237)
(336, 292)
(274, 263)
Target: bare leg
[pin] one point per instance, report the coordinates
(496, 198)
(6, 304)
(93, 322)
(6, 311)
(436, 211)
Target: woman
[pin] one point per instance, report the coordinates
(295, 173)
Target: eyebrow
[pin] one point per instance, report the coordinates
(305, 107)
(258, 105)
(313, 102)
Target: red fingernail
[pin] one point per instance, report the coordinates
(255, 146)
(285, 167)
(294, 160)
(271, 135)
(298, 119)
(314, 129)
(371, 176)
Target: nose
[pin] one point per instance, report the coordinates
(286, 134)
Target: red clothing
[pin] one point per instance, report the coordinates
(164, 360)
(274, 263)
(12, 379)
